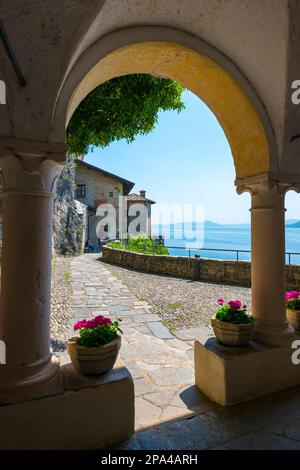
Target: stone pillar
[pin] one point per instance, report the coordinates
(28, 180)
(268, 261)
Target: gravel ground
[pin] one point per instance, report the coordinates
(180, 303)
(61, 313)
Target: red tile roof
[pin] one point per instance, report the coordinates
(138, 197)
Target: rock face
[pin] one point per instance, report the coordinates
(68, 217)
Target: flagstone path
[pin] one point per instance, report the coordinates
(160, 363)
(170, 412)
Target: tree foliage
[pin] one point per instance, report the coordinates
(121, 108)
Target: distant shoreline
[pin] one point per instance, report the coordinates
(290, 223)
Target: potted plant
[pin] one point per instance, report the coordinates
(96, 348)
(293, 308)
(232, 324)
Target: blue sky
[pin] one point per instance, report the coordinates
(185, 160)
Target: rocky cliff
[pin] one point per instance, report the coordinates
(67, 214)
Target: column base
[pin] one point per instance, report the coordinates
(274, 335)
(81, 413)
(230, 375)
(18, 384)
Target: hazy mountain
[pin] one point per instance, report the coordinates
(290, 223)
(295, 225)
(210, 223)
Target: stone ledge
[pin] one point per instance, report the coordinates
(207, 270)
(229, 375)
(90, 413)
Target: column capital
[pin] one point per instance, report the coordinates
(30, 167)
(268, 183)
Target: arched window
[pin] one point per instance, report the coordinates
(2, 92)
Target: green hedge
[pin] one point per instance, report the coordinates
(140, 244)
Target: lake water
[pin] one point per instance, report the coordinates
(221, 237)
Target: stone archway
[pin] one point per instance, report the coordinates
(31, 168)
(32, 152)
(219, 83)
(176, 55)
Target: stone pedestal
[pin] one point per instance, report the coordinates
(229, 375)
(78, 413)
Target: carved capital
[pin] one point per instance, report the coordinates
(267, 191)
(30, 168)
(265, 182)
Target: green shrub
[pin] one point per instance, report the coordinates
(116, 244)
(293, 300)
(96, 332)
(140, 244)
(293, 304)
(94, 338)
(231, 315)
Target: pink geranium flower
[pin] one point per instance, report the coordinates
(294, 294)
(80, 324)
(235, 304)
(220, 301)
(100, 320)
(91, 324)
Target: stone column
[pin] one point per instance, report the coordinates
(268, 261)
(28, 182)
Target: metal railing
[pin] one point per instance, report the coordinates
(237, 252)
(229, 250)
(289, 254)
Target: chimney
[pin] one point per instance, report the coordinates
(142, 193)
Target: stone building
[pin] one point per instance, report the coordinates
(133, 201)
(94, 186)
(241, 57)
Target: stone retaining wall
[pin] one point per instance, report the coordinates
(211, 270)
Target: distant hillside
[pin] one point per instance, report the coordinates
(289, 223)
(296, 225)
(207, 223)
(210, 223)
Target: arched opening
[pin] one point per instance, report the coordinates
(292, 238)
(232, 107)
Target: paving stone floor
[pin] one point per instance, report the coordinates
(160, 363)
(170, 412)
(179, 302)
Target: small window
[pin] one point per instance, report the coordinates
(81, 190)
(111, 194)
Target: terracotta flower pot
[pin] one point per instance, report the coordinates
(93, 360)
(293, 317)
(233, 334)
